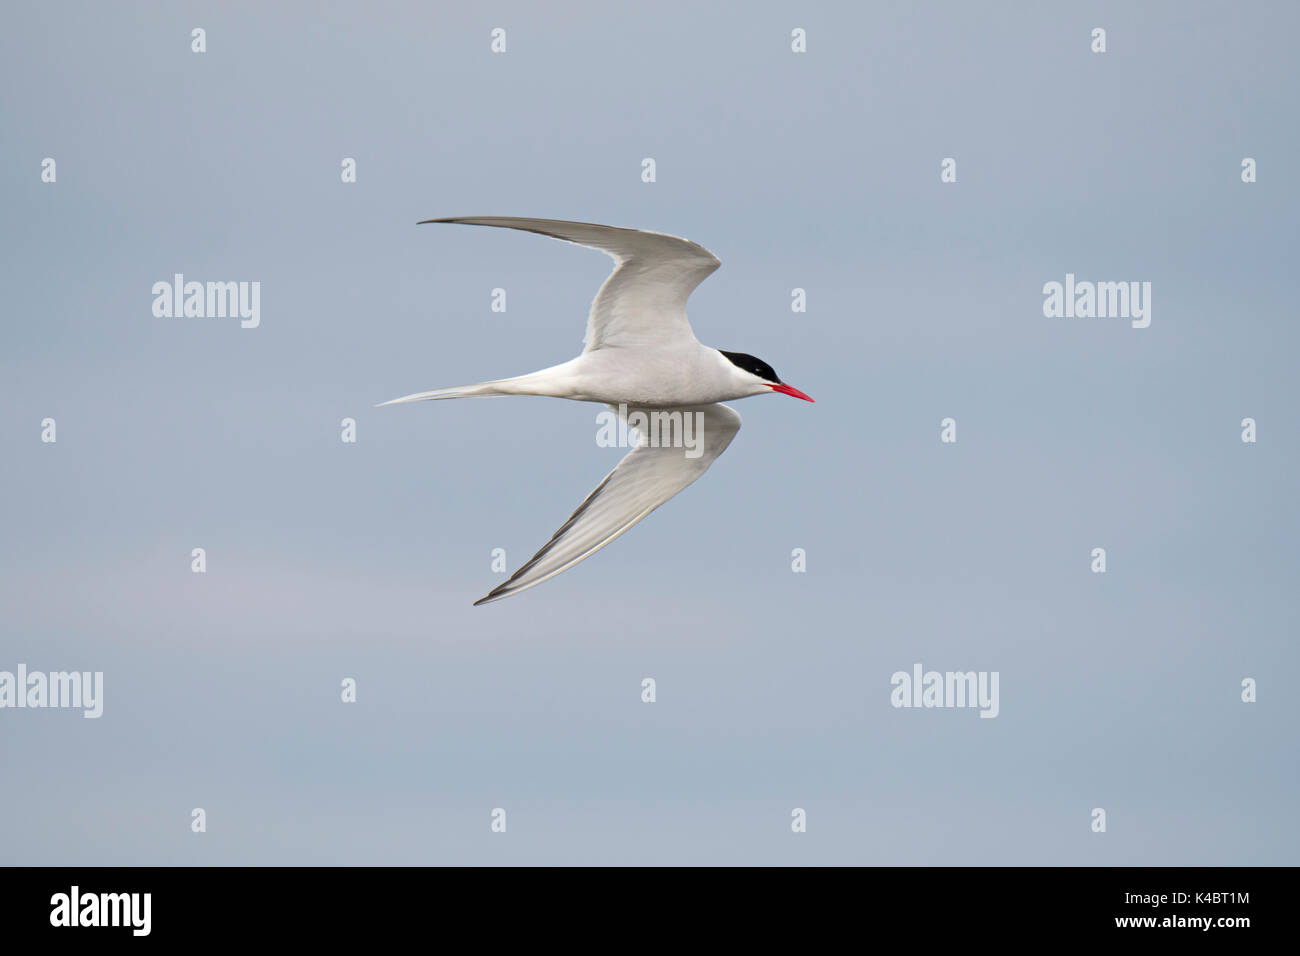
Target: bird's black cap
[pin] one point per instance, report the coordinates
(753, 365)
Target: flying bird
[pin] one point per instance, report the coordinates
(640, 356)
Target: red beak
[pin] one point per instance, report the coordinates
(790, 390)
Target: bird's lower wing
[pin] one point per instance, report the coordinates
(643, 480)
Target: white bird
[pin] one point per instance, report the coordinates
(641, 358)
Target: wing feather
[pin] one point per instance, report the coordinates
(643, 302)
(643, 480)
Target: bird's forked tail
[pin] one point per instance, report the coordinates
(503, 386)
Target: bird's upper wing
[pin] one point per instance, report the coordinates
(643, 302)
(643, 480)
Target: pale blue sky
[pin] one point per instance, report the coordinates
(819, 170)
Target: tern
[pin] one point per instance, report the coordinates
(640, 356)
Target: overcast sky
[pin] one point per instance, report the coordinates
(328, 560)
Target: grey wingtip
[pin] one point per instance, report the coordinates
(496, 594)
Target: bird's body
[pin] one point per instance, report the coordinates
(641, 356)
(689, 374)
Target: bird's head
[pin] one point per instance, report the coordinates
(760, 377)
